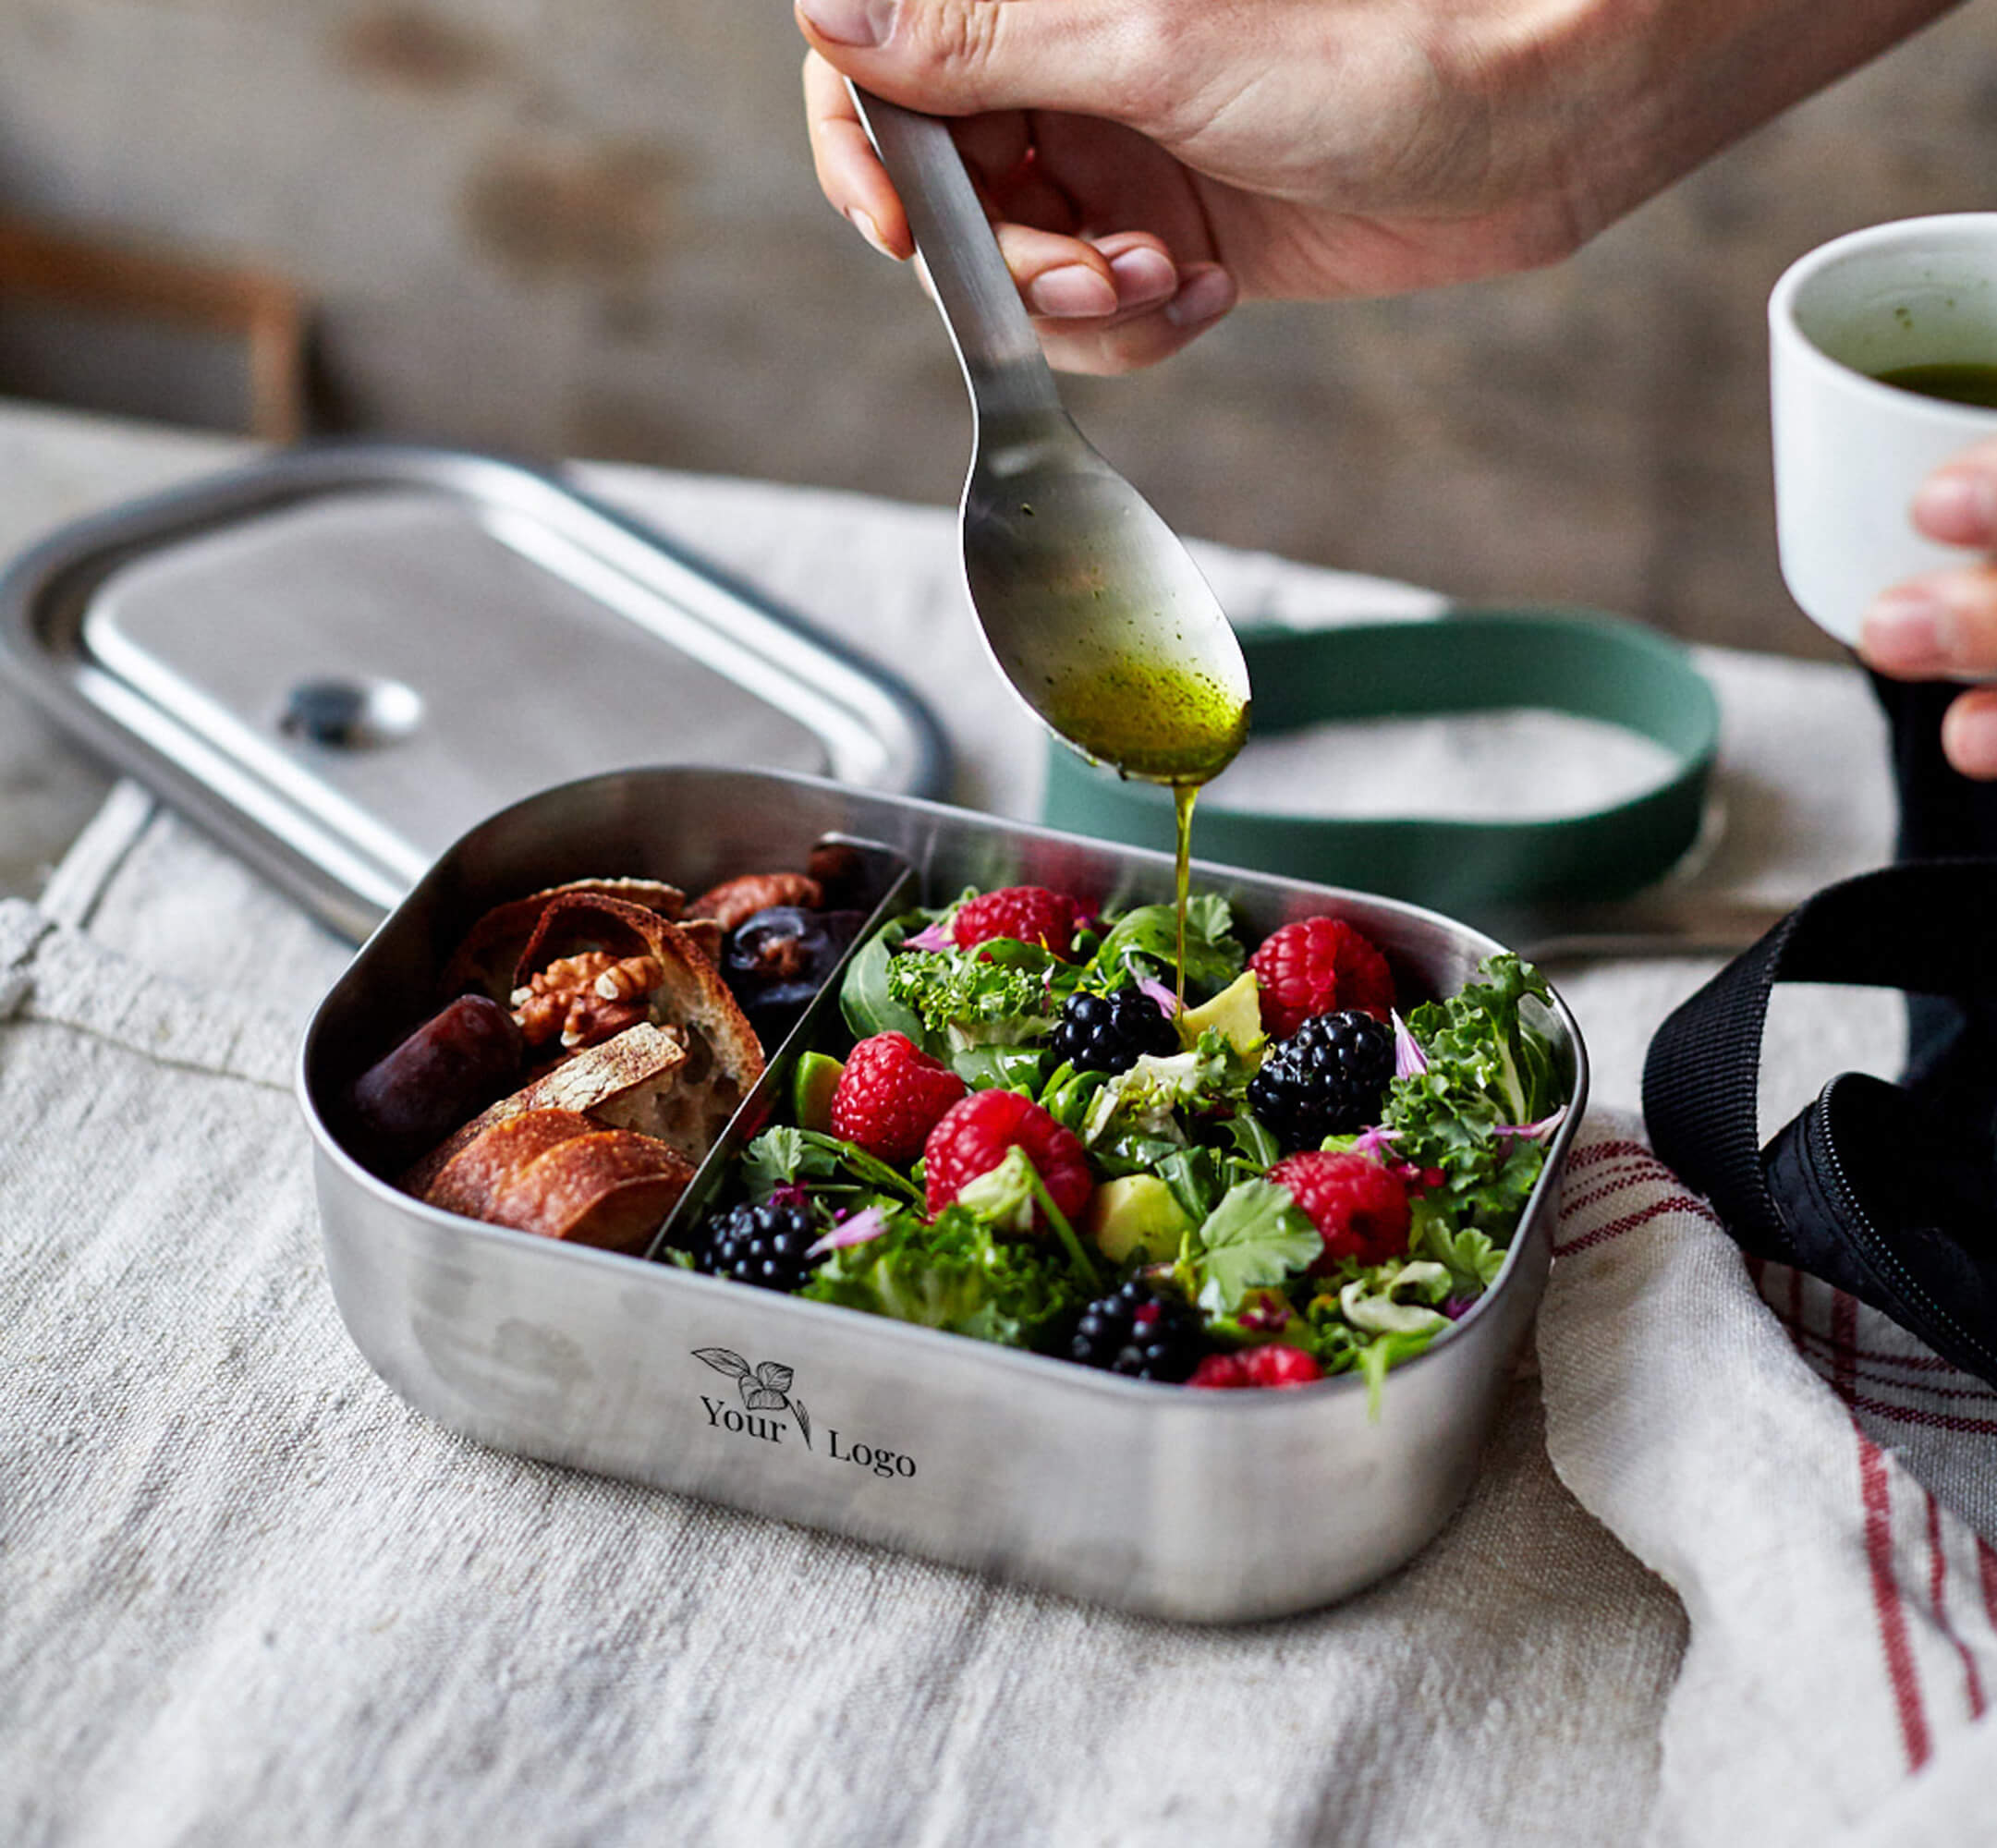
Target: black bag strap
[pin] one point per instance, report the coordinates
(1928, 927)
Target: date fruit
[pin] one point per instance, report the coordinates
(446, 1072)
(777, 960)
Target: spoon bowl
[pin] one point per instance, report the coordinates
(1090, 605)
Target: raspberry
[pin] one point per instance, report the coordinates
(1358, 1208)
(890, 1096)
(1271, 1366)
(1030, 913)
(974, 1136)
(1316, 965)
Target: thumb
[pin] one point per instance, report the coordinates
(963, 57)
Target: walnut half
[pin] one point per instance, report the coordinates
(584, 999)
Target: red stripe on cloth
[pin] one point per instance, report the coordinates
(1865, 1365)
(1875, 1492)
(1602, 1151)
(1845, 1342)
(1938, 1601)
(1615, 1228)
(1645, 1176)
(1907, 1363)
(1985, 1572)
(1915, 1414)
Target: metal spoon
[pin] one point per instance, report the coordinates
(1089, 603)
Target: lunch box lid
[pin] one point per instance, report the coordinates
(341, 657)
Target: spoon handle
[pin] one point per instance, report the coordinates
(994, 340)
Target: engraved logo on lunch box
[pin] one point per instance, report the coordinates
(766, 1398)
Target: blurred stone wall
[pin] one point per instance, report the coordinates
(590, 228)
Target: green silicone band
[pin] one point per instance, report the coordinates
(1469, 661)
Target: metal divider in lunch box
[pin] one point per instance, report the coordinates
(1197, 1505)
(338, 658)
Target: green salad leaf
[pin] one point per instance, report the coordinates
(1146, 939)
(1490, 1073)
(1003, 993)
(999, 1068)
(783, 1155)
(1148, 1097)
(1472, 1261)
(1257, 1236)
(954, 1273)
(864, 998)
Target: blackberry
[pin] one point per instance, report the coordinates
(1327, 1078)
(1107, 1032)
(764, 1245)
(1139, 1331)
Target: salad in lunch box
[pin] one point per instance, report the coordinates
(1029, 1140)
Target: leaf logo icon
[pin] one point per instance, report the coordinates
(765, 1389)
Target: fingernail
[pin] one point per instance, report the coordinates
(1204, 295)
(1956, 508)
(850, 22)
(1070, 292)
(1906, 627)
(868, 229)
(1969, 738)
(1143, 276)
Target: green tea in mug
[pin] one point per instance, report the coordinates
(1969, 382)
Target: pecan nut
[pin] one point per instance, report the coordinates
(735, 900)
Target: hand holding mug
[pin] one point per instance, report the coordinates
(1942, 625)
(1883, 382)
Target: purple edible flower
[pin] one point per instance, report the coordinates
(931, 937)
(855, 1229)
(1373, 1143)
(1168, 1003)
(788, 1193)
(1409, 1060)
(1537, 1131)
(1457, 1307)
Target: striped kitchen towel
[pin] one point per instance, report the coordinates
(1811, 1481)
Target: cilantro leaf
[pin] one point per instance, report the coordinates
(1470, 1258)
(782, 1154)
(1257, 1236)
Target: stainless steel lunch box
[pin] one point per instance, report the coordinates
(1199, 1505)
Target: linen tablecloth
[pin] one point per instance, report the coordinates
(1721, 1576)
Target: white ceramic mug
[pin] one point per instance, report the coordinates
(1850, 453)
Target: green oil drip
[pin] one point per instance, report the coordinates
(1184, 794)
(1163, 723)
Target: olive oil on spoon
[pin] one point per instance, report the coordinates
(1090, 606)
